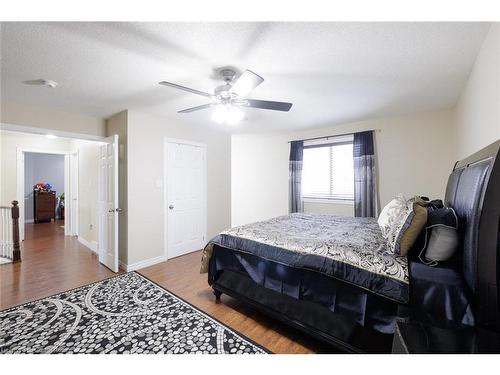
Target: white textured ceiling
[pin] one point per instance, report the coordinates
(332, 72)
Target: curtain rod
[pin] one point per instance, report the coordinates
(336, 135)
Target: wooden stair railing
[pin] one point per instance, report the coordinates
(16, 253)
(10, 244)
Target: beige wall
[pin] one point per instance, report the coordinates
(477, 114)
(118, 124)
(145, 141)
(45, 118)
(415, 155)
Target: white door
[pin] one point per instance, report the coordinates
(108, 203)
(185, 197)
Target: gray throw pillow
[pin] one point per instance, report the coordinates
(443, 243)
(441, 237)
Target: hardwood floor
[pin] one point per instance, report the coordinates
(52, 263)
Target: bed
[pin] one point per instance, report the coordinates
(333, 278)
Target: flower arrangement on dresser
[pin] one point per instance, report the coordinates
(42, 187)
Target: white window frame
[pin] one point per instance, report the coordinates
(309, 199)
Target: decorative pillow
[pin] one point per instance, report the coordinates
(414, 225)
(406, 226)
(441, 238)
(390, 213)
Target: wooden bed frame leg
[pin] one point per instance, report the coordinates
(217, 295)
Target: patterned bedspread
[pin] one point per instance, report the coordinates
(347, 248)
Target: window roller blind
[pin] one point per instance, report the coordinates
(328, 171)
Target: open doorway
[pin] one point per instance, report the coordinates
(47, 182)
(44, 193)
(66, 187)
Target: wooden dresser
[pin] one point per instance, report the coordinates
(44, 206)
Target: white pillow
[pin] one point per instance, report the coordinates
(391, 214)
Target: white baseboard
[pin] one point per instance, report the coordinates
(91, 245)
(32, 221)
(143, 263)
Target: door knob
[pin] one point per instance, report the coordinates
(119, 210)
(171, 207)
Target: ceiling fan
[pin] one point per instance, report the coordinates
(231, 96)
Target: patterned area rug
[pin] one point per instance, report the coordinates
(124, 314)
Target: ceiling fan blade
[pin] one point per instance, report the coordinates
(266, 104)
(193, 91)
(197, 108)
(246, 83)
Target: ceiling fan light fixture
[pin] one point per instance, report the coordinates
(229, 97)
(220, 113)
(234, 115)
(227, 114)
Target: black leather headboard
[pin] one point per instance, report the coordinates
(473, 190)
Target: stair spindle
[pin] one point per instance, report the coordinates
(16, 254)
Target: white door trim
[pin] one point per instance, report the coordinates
(44, 131)
(20, 182)
(166, 141)
(74, 170)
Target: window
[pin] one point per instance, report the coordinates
(328, 171)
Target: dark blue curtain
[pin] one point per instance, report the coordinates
(295, 176)
(365, 181)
